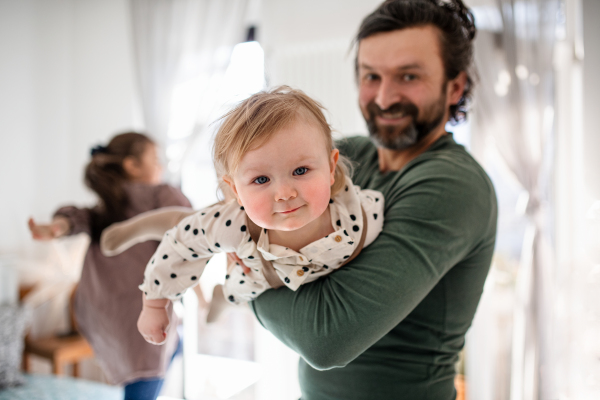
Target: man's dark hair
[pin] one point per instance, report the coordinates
(456, 24)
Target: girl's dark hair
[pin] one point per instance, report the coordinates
(456, 24)
(105, 175)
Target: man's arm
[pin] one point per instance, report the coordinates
(430, 225)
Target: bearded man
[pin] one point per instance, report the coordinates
(390, 324)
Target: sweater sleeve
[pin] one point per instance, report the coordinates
(79, 219)
(433, 220)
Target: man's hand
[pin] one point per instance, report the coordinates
(59, 227)
(153, 322)
(233, 258)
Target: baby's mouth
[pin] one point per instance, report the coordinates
(290, 210)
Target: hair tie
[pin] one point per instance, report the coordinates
(98, 149)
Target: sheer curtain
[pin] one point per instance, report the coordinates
(515, 112)
(177, 41)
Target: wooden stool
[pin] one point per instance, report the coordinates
(461, 387)
(60, 350)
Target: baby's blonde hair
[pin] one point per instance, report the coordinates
(253, 121)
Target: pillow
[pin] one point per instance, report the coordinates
(13, 321)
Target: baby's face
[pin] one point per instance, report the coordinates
(286, 183)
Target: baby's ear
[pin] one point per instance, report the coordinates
(335, 156)
(229, 190)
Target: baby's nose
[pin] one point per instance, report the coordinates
(285, 192)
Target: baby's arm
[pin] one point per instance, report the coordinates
(150, 225)
(185, 249)
(181, 257)
(168, 274)
(153, 322)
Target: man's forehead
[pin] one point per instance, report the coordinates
(416, 47)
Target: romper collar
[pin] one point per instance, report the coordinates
(329, 251)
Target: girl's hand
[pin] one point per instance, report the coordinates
(153, 323)
(57, 228)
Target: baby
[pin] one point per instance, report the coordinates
(296, 215)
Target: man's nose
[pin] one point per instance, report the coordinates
(285, 191)
(388, 94)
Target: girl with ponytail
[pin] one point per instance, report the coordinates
(126, 176)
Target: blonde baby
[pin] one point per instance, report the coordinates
(295, 216)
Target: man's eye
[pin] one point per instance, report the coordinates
(300, 171)
(371, 77)
(408, 77)
(261, 179)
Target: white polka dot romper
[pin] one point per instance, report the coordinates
(186, 249)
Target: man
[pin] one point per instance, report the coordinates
(390, 324)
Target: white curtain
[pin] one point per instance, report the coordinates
(177, 41)
(515, 111)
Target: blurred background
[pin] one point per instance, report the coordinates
(75, 72)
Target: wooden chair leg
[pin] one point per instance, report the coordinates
(25, 362)
(76, 370)
(57, 368)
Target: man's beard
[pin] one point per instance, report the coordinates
(395, 138)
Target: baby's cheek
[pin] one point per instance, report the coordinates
(258, 210)
(319, 196)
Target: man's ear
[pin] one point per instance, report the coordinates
(333, 160)
(227, 179)
(456, 88)
(131, 167)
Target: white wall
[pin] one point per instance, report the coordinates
(67, 83)
(16, 116)
(591, 95)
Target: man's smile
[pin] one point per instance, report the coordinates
(391, 119)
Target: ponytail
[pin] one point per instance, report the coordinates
(106, 176)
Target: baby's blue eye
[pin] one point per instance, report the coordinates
(300, 171)
(261, 179)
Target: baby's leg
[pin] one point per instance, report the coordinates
(150, 225)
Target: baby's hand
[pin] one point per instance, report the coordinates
(153, 324)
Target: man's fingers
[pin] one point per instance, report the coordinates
(231, 257)
(234, 258)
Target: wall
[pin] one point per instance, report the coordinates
(67, 83)
(591, 95)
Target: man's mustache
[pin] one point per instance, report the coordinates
(404, 108)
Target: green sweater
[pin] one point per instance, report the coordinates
(390, 324)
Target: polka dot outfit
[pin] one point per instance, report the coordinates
(186, 249)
